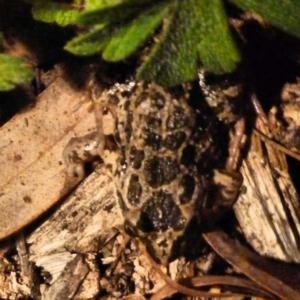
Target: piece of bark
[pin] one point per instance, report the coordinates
(69, 281)
(81, 225)
(268, 212)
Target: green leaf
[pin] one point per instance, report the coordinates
(13, 71)
(132, 35)
(99, 4)
(111, 12)
(193, 31)
(103, 4)
(61, 13)
(217, 50)
(118, 40)
(174, 58)
(91, 43)
(285, 14)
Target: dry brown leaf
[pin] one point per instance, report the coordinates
(32, 172)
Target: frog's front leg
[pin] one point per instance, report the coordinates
(225, 185)
(78, 152)
(84, 149)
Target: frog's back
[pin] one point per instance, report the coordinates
(158, 182)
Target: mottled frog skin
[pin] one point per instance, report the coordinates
(166, 163)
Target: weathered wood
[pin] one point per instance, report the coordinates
(82, 224)
(268, 212)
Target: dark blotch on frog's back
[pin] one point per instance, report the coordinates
(153, 122)
(128, 126)
(158, 101)
(134, 190)
(160, 170)
(188, 156)
(159, 213)
(174, 141)
(188, 186)
(153, 140)
(178, 119)
(136, 157)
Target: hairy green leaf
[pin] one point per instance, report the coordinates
(285, 14)
(216, 47)
(118, 40)
(92, 42)
(174, 58)
(133, 34)
(13, 71)
(61, 13)
(115, 13)
(102, 4)
(193, 31)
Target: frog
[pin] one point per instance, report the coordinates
(165, 167)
